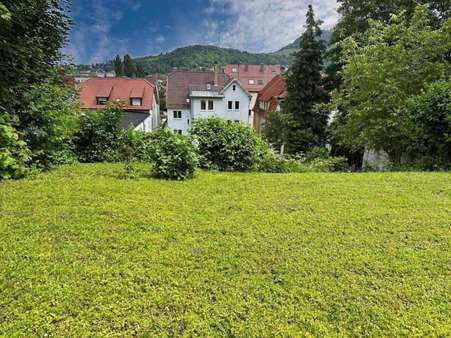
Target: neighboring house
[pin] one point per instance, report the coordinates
(194, 94)
(253, 78)
(141, 109)
(269, 100)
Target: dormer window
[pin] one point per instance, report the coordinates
(208, 86)
(234, 87)
(136, 101)
(101, 101)
(234, 70)
(251, 82)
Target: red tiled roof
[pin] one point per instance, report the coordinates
(117, 88)
(180, 82)
(259, 74)
(273, 91)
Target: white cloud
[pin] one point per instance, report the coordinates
(262, 25)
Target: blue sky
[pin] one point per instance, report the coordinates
(104, 28)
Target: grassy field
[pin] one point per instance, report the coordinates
(83, 253)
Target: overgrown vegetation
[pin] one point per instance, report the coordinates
(226, 146)
(228, 254)
(174, 156)
(14, 155)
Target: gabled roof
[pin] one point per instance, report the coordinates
(259, 74)
(182, 82)
(117, 88)
(275, 90)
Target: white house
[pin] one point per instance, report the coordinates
(194, 94)
(141, 110)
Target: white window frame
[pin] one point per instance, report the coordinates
(237, 105)
(133, 101)
(203, 103)
(251, 82)
(212, 104)
(230, 105)
(176, 114)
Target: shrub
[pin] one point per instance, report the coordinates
(13, 153)
(174, 156)
(140, 143)
(275, 163)
(97, 138)
(48, 122)
(126, 155)
(226, 146)
(331, 164)
(429, 126)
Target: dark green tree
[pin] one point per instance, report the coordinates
(306, 126)
(140, 72)
(129, 66)
(30, 44)
(118, 66)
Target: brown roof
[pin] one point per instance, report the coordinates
(259, 74)
(117, 88)
(180, 82)
(276, 89)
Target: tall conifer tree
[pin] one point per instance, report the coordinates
(118, 66)
(129, 66)
(305, 126)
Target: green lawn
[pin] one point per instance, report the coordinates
(83, 253)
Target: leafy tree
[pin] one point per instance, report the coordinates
(30, 45)
(355, 19)
(14, 155)
(48, 122)
(129, 66)
(428, 118)
(306, 126)
(4, 13)
(98, 134)
(118, 66)
(390, 63)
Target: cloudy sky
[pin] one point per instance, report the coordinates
(104, 28)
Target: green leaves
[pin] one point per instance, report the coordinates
(174, 156)
(225, 145)
(383, 68)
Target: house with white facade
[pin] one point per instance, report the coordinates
(191, 95)
(140, 97)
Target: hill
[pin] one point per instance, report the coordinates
(204, 57)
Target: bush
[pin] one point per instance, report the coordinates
(48, 122)
(140, 143)
(174, 156)
(429, 126)
(226, 146)
(275, 163)
(13, 153)
(331, 164)
(98, 135)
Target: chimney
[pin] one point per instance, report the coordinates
(216, 79)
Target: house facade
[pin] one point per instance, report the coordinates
(191, 95)
(269, 100)
(141, 110)
(253, 78)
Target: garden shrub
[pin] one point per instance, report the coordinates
(98, 135)
(140, 143)
(174, 156)
(272, 162)
(226, 146)
(48, 122)
(14, 154)
(331, 164)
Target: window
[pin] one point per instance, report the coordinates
(263, 105)
(230, 105)
(234, 70)
(203, 105)
(234, 87)
(208, 86)
(210, 105)
(177, 114)
(251, 82)
(237, 105)
(237, 121)
(102, 100)
(260, 82)
(178, 131)
(136, 101)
